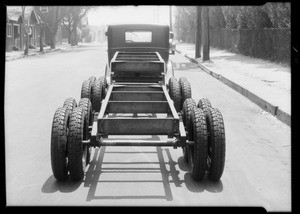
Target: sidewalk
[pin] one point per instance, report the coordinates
(13, 55)
(265, 83)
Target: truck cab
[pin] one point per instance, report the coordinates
(138, 53)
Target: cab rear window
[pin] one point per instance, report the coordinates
(138, 36)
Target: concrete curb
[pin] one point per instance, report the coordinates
(265, 105)
(30, 54)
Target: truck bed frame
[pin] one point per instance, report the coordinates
(137, 109)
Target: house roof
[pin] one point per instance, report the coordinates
(15, 13)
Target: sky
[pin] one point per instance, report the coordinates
(129, 14)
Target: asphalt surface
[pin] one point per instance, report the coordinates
(258, 149)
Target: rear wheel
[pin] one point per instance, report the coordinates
(86, 89)
(87, 107)
(181, 79)
(77, 154)
(198, 151)
(186, 92)
(187, 110)
(92, 79)
(216, 144)
(102, 79)
(97, 95)
(59, 141)
(174, 91)
(204, 104)
(70, 103)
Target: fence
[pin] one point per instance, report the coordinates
(269, 44)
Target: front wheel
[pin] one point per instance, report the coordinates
(175, 94)
(97, 95)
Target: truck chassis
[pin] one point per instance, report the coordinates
(134, 99)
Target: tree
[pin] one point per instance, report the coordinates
(41, 36)
(185, 23)
(279, 14)
(51, 21)
(198, 33)
(205, 32)
(230, 16)
(25, 29)
(216, 17)
(67, 21)
(71, 17)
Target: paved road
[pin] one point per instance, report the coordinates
(258, 150)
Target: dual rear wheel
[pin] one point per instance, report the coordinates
(71, 126)
(205, 128)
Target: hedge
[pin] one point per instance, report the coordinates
(272, 44)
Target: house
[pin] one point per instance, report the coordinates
(14, 31)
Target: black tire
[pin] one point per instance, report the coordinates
(86, 104)
(187, 110)
(97, 95)
(182, 79)
(198, 151)
(77, 151)
(59, 143)
(174, 91)
(216, 144)
(86, 89)
(103, 81)
(186, 92)
(204, 104)
(92, 79)
(70, 103)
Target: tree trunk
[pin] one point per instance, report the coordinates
(69, 34)
(54, 29)
(198, 33)
(22, 37)
(205, 33)
(75, 34)
(26, 43)
(41, 38)
(74, 39)
(52, 41)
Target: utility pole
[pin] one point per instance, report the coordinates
(205, 33)
(198, 33)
